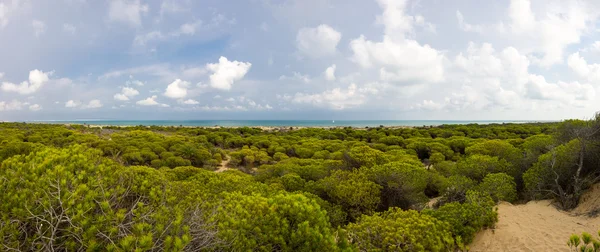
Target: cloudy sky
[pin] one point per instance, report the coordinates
(299, 59)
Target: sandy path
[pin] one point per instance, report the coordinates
(535, 226)
(224, 165)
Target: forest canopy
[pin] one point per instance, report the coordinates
(81, 188)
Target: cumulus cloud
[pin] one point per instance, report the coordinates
(151, 101)
(544, 35)
(579, 65)
(93, 104)
(336, 98)
(177, 89)
(35, 107)
(72, 104)
(127, 11)
(8, 106)
(226, 72)
(126, 93)
(539, 88)
(330, 73)
(37, 79)
(190, 102)
(318, 42)
(399, 59)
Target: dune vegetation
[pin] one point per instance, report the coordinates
(81, 188)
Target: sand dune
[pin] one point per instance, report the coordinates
(539, 226)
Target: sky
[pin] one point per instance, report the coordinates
(299, 59)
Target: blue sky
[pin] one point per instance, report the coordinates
(299, 59)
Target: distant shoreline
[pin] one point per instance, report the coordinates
(280, 124)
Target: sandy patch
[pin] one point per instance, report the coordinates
(536, 226)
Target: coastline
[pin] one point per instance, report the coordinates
(281, 124)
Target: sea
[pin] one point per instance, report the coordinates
(281, 123)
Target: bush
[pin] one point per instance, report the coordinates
(285, 222)
(468, 218)
(402, 185)
(584, 243)
(352, 190)
(500, 186)
(477, 166)
(398, 230)
(456, 189)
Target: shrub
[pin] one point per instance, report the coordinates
(466, 219)
(398, 230)
(584, 243)
(352, 190)
(500, 186)
(402, 185)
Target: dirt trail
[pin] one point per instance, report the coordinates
(224, 165)
(539, 226)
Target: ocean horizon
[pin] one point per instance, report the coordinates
(282, 123)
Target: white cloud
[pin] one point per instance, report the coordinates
(463, 25)
(580, 66)
(177, 89)
(8, 9)
(143, 39)
(93, 104)
(69, 28)
(151, 101)
(398, 58)
(297, 77)
(189, 28)
(126, 93)
(134, 82)
(336, 98)
(539, 88)
(191, 102)
(399, 61)
(3, 15)
(595, 47)
(35, 107)
(430, 105)
(13, 105)
(1, 75)
(127, 11)
(226, 72)
(37, 79)
(121, 97)
(39, 27)
(318, 42)
(72, 104)
(330, 73)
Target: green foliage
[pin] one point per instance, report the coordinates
(287, 222)
(467, 218)
(402, 185)
(150, 188)
(500, 186)
(364, 156)
(456, 189)
(584, 243)
(352, 190)
(477, 166)
(72, 198)
(553, 172)
(398, 230)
